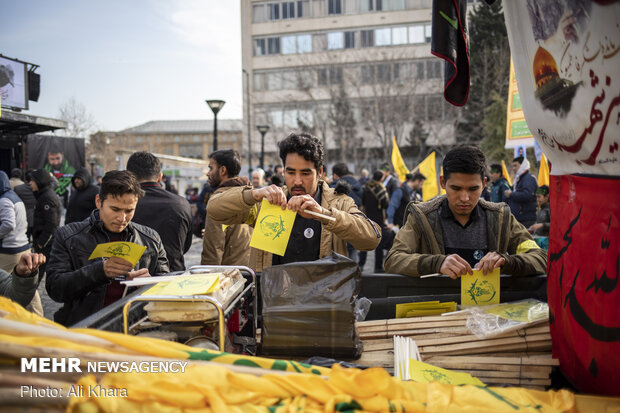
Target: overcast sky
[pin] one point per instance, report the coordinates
(129, 61)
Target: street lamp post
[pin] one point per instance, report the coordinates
(215, 106)
(263, 129)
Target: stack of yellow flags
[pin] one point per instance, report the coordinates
(424, 308)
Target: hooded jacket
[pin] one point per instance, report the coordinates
(13, 220)
(236, 206)
(418, 248)
(81, 283)
(46, 211)
(82, 200)
(170, 215)
(228, 245)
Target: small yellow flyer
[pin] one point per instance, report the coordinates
(129, 251)
(480, 289)
(273, 228)
(186, 285)
(427, 373)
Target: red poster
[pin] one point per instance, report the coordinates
(583, 271)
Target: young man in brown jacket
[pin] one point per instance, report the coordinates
(312, 238)
(455, 233)
(225, 245)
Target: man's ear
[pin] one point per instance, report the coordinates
(223, 172)
(320, 171)
(98, 201)
(442, 181)
(159, 177)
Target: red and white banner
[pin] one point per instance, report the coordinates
(567, 61)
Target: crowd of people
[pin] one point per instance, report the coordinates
(451, 234)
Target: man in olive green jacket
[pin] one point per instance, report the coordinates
(312, 237)
(458, 232)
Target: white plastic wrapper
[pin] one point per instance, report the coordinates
(493, 320)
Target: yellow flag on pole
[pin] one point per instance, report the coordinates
(442, 191)
(543, 171)
(505, 173)
(397, 161)
(429, 170)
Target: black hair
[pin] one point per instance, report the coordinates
(16, 173)
(518, 159)
(496, 168)
(57, 145)
(464, 159)
(303, 144)
(417, 177)
(277, 166)
(228, 158)
(385, 166)
(340, 169)
(543, 190)
(377, 175)
(119, 183)
(144, 165)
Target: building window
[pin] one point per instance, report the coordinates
(419, 70)
(321, 77)
(303, 8)
(368, 74)
(366, 5)
(275, 117)
(434, 104)
(138, 140)
(416, 34)
(384, 73)
(288, 10)
(349, 40)
(428, 32)
(274, 11)
(196, 138)
(319, 42)
(190, 151)
(383, 37)
(289, 44)
(259, 47)
(259, 14)
(259, 81)
(273, 45)
(304, 43)
(399, 35)
(433, 69)
(334, 6)
(335, 75)
(274, 81)
(368, 38)
(177, 139)
(335, 40)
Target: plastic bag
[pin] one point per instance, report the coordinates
(362, 307)
(492, 320)
(308, 308)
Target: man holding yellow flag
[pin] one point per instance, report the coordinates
(454, 233)
(313, 236)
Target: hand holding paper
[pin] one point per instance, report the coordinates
(480, 289)
(122, 257)
(273, 228)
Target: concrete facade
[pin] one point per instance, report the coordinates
(305, 58)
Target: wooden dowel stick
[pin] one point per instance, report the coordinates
(319, 215)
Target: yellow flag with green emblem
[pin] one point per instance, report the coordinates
(543, 171)
(397, 161)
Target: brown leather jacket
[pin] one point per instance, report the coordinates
(228, 245)
(236, 206)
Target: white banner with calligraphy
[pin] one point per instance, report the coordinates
(568, 70)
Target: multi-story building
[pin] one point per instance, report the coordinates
(185, 138)
(353, 72)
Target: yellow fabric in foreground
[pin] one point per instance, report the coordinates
(216, 389)
(64, 338)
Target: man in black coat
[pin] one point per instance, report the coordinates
(82, 199)
(340, 172)
(46, 214)
(375, 201)
(167, 213)
(86, 285)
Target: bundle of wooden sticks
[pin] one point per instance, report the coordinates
(521, 357)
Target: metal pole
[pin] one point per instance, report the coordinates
(247, 99)
(262, 150)
(214, 131)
